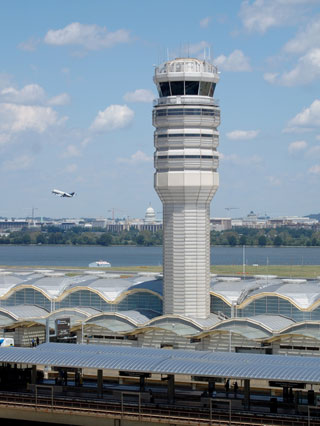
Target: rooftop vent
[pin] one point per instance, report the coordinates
(229, 279)
(265, 277)
(53, 274)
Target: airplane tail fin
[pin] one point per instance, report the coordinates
(72, 193)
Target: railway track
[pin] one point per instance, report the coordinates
(150, 412)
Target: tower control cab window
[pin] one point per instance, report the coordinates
(205, 88)
(192, 87)
(177, 88)
(180, 88)
(165, 89)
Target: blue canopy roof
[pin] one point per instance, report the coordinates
(162, 361)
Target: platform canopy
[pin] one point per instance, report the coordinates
(162, 361)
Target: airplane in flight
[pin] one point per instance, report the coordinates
(62, 193)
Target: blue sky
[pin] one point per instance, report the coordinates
(76, 96)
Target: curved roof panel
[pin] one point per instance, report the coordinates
(273, 322)
(236, 291)
(301, 292)
(127, 319)
(244, 327)
(183, 325)
(23, 312)
(55, 285)
(9, 280)
(306, 328)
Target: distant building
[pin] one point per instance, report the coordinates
(13, 224)
(99, 223)
(220, 224)
(150, 216)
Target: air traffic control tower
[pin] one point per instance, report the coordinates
(186, 118)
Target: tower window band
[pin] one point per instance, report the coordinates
(165, 157)
(187, 111)
(188, 88)
(186, 135)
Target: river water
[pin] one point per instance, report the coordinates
(135, 256)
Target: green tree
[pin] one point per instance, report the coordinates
(26, 239)
(105, 239)
(232, 240)
(243, 240)
(140, 240)
(278, 241)
(41, 239)
(262, 240)
(56, 238)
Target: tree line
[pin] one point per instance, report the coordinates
(79, 236)
(238, 237)
(283, 236)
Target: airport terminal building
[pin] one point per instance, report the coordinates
(261, 314)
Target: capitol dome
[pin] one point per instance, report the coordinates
(150, 215)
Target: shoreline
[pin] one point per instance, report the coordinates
(154, 245)
(284, 271)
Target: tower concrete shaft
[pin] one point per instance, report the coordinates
(186, 118)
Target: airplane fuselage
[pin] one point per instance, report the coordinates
(62, 193)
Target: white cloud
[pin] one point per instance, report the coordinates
(297, 146)
(306, 71)
(254, 160)
(297, 130)
(29, 45)
(197, 48)
(260, 15)
(205, 22)
(242, 134)
(71, 168)
(137, 157)
(62, 99)
(29, 94)
(274, 181)
(318, 137)
(86, 141)
(71, 151)
(307, 39)
(4, 138)
(113, 117)
(90, 37)
(270, 77)
(314, 152)
(236, 61)
(19, 118)
(19, 163)
(308, 116)
(139, 95)
(314, 170)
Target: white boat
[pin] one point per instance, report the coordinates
(100, 264)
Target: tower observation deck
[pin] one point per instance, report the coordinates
(186, 117)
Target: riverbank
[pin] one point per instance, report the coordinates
(288, 271)
(285, 271)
